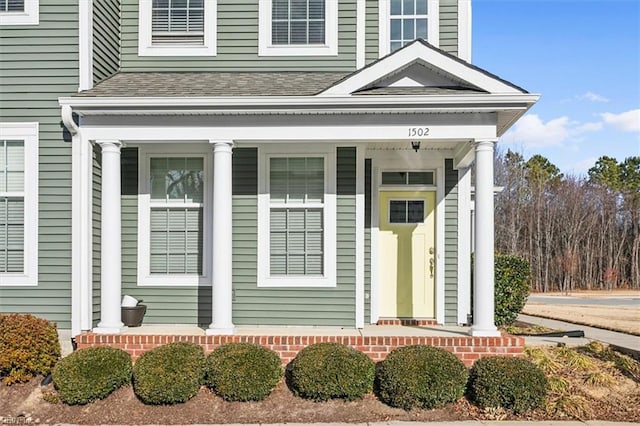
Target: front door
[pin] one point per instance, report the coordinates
(407, 254)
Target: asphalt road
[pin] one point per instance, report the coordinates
(627, 301)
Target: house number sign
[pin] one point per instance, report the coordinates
(418, 132)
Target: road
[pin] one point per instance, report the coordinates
(630, 301)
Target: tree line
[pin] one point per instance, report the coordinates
(577, 232)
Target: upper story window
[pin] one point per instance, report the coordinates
(403, 21)
(298, 27)
(19, 12)
(18, 203)
(177, 28)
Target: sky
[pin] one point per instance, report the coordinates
(583, 57)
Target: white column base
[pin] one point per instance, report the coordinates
(108, 330)
(223, 331)
(478, 332)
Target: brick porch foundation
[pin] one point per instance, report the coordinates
(468, 349)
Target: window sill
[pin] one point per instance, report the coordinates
(311, 50)
(17, 280)
(174, 281)
(177, 50)
(297, 282)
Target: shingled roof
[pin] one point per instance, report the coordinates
(213, 84)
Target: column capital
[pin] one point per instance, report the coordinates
(483, 144)
(221, 145)
(109, 144)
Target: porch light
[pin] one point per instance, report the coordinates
(415, 145)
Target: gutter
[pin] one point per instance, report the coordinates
(67, 120)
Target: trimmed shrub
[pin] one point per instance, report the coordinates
(169, 374)
(421, 376)
(324, 371)
(91, 374)
(28, 346)
(512, 383)
(512, 286)
(242, 371)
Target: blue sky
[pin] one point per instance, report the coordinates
(583, 57)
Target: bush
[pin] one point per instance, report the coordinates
(242, 371)
(512, 383)
(421, 376)
(325, 371)
(169, 374)
(512, 286)
(91, 374)
(28, 346)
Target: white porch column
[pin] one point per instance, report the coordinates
(222, 239)
(483, 292)
(111, 239)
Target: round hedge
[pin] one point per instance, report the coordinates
(512, 383)
(324, 371)
(421, 377)
(29, 346)
(242, 371)
(169, 374)
(91, 374)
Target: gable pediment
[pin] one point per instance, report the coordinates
(420, 65)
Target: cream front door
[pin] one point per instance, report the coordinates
(407, 254)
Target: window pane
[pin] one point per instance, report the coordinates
(397, 211)
(11, 234)
(420, 178)
(280, 9)
(408, 29)
(407, 7)
(316, 9)
(395, 45)
(316, 33)
(12, 6)
(415, 211)
(396, 29)
(176, 241)
(394, 178)
(298, 22)
(298, 32)
(280, 33)
(177, 178)
(298, 9)
(421, 28)
(421, 7)
(396, 7)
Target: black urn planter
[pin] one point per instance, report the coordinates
(132, 316)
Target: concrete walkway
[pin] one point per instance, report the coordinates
(622, 340)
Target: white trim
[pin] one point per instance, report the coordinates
(147, 48)
(145, 278)
(85, 44)
(361, 28)
(418, 51)
(384, 20)
(329, 48)
(30, 16)
(329, 209)
(464, 244)
(360, 212)
(27, 132)
(464, 30)
(440, 245)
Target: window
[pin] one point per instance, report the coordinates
(298, 27)
(407, 178)
(298, 238)
(18, 203)
(406, 211)
(19, 12)
(177, 28)
(172, 216)
(403, 21)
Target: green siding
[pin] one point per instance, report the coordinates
(96, 230)
(450, 243)
(237, 44)
(372, 20)
(449, 26)
(290, 306)
(106, 39)
(40, 63)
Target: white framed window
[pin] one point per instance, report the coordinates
(19, 204)
(177, 27)
(403, 21)
(297, 220)
(298, 27)
(174, 218)
(19, 12)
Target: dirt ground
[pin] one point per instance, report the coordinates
(615, 399)
(620, 318)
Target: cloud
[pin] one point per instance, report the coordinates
(582, 167)
(532, 132)
(591, 97)
(628, 121)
